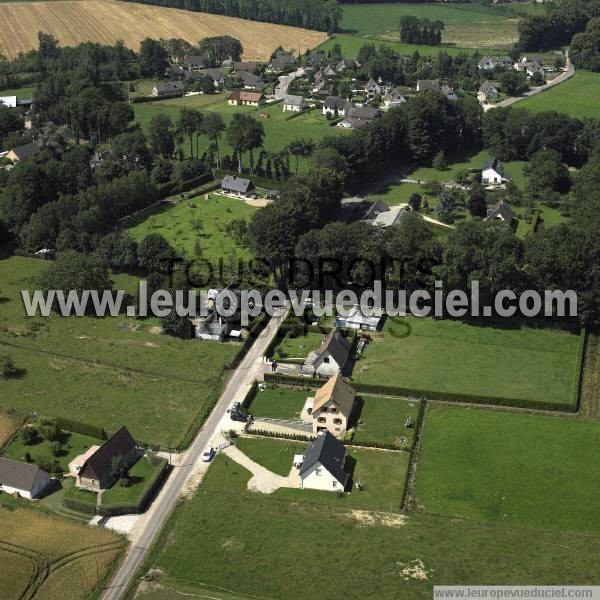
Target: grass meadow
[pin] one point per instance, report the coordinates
(466, 25)
(505, 360)
(504, 467)
(577, 97)
(79, 558)
(203, 220)
(279, 403)
(268, 537)
(105, 371)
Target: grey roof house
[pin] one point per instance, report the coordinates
(194, 63)
(294, 103)
(330, 358)
(236, 185)
(168, 88)
(25, 479)
(500, 212)
(252, 81)
(323, 465)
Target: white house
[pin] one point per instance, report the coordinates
(332, 406)
(493, 172)
(9, 101)
(323, 465)
(294, 103)
(488, 63)
(372, 88)
(394, 98)
(529, 67)
(168, 88)
(330, 358)
(334, 105)
(27, 480)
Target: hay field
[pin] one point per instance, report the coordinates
(106, 21)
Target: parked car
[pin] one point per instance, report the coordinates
(208, 454)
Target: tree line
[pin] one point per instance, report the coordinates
(414, 30)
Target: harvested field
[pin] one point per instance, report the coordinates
(106, 22)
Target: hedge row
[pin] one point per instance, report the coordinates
(172, 188)
(413, 454)
(88, 508)
(579, 369)
(262, 182)
(427, 394)
(81, 428)
(249, 398)
(144, 99)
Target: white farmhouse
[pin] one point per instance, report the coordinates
(493, 172)
(24, 479)
(323, 465)
(294, 103)
(330, 358)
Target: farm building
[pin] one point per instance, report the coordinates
(294, 103)
(96, 473)
(355, 319)
(246, 98)
(237, 186)
(330, 358)
(500, 212)
(323, 465)
(332, 406)
(25, 479)
(487, 91)
(168, 88)
(21, 153)
(493, 172)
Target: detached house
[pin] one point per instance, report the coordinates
(21, 153)
(246, 98)
(294, 103)
(449, 93)
(493, 172)
(281, 61)
(323, 465)
(168, 88)
(334, 105)
(500, 212)
(332, 406)
(96, 473)
(487, 91)
(252, 81)
(372, 88)
(424, 85)
(487, 63)
(330, 358)
(394, 98)
(217, 76)
(237, 186)
(246, 65)
(25, 479)
(194, 63)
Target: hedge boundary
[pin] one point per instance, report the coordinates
(82, 428)
(427, 394)
(144, 99)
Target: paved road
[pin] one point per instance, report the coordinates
(242, 377)
(567, 74)
(281, 88)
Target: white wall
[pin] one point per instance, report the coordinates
(319, 478)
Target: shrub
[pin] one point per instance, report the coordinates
(49, 429)
(29, 435)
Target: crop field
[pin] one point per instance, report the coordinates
(8, 425)
(203, 220)
(467, 25)
(280, 130)
(44, 556)
(577, 97)
(105, 371)
(106, 21)
(503, 467)
(512, 361)
(266, 538)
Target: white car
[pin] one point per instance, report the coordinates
(208, 454)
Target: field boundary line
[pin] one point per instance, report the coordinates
(411, 474)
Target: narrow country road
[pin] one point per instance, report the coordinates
(241, 378)
(567, 74)
(281, 88)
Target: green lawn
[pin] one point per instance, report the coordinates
(279, 403)
(466, 25)
(276, 455)
(22, 93)
(73, 445)
(139, 475)
(105, 371)
(279, 129)
(512, 361)
(231, 544)
(526, 470)
(383, 420)
(201, 219)
(577, 97)
(297, 347)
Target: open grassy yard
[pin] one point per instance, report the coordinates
(526, 470)
(279, 130)
(22, 93)
(279, 403)
(577, 97)
(105, 371)
(266, 538)
(139, 475)
(45, 556)
(511, 361)
(73, 444)
(203, 220)
(466, 25)
(298, 348)
(274, 454)
(383, 420)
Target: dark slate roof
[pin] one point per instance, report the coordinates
(337, 345)
(97, 466)
(317, 59)
(493, 163)
(17, 474)
(194, 61)
(251, 79)
(245, 65)
(282, 60)
(292, 100)
(236, 184)
(487, 85)
(379, 206)
(500, 210)
(335, 102)
(365, 113)
(170, 87)
(428, 84)
(330, 453)
(26, 150)
(216, 75)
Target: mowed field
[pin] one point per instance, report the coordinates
(577, 97)
(528, 470)
(267, 537)
(105, 371)
(106, 21)
(512, 361)
(467, 25)
(46, 556)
